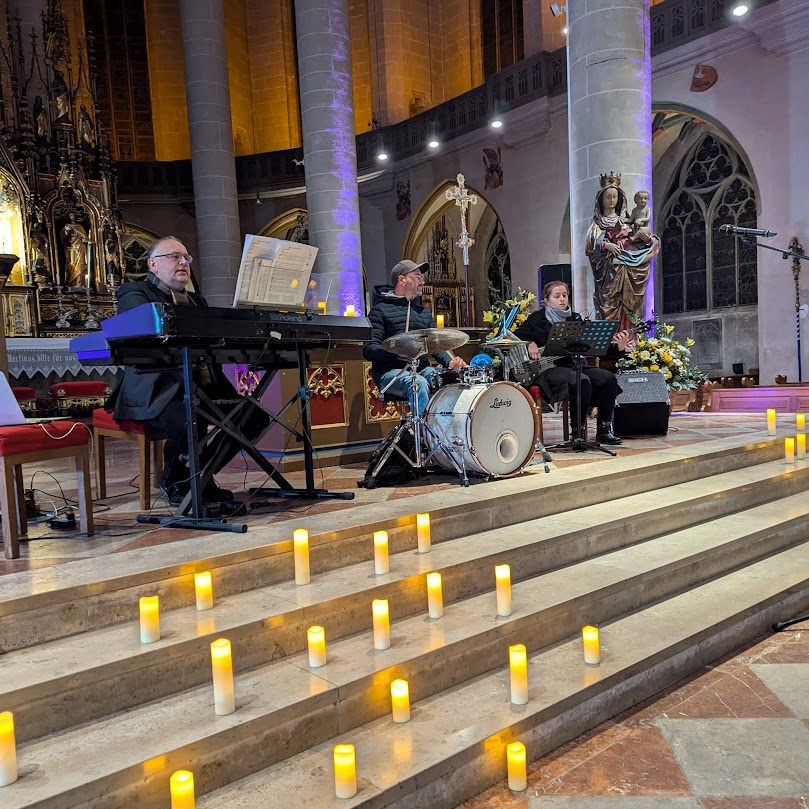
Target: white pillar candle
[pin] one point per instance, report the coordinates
(203, 590)
(8, 749)
(300, 546)
(517, 770)
(316, 641)
(435, 595)
(321, 305)
(800, 422)
(181, 785)
(439, 321)
(349, 312)
(771, 420)
(345, 771)
(518, 667)
(589, 639)
(379, 609)
(502, 578)
(149, 619)
(789, 449)
(423, 532)
(400, 701)
(222, 667)
(381, 561)
(800, 445)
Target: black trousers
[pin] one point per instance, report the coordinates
(172, 423)
(599, 388)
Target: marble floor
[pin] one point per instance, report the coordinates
(117, 530)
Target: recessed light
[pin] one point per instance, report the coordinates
(740, 9)
(382, 156)
(433, 143)
(496, 123)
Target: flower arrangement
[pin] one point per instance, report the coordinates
(657, 350)
(494, 316)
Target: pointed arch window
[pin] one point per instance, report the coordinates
(702, 268)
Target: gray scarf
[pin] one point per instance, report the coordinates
(556, 315)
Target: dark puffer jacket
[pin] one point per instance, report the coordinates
(388, 316)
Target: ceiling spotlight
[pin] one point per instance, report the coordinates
(433, 143)
(740, 9)
(557, 10)
(495, 123)
(258, 199)
(382, 156)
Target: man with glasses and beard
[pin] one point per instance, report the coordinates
(157, 398)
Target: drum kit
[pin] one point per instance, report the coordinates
(471, 423)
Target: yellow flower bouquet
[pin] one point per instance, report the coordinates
(494, 317)
(657, 350)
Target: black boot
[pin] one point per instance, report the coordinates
(605, 435)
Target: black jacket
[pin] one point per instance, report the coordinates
(388, 316)
(143, 396)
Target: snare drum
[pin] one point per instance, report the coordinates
(463, 376)
(491, 428)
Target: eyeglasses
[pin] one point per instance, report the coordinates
(176, 257)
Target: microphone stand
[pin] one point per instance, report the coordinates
(797, 254)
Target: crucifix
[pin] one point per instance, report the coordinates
(463, 199)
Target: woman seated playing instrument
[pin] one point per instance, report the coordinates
(599, 387)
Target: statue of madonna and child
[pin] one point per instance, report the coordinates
(620, 247)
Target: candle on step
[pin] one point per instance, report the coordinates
(800, 422)
(789, 449)
(345, 771)
(502, 578)
(439, 321)
(349, 312)
(589, 639)
(300, 545)
(321, 305)
(400, 700)
(423, 532)
(316, 641)
(518, 666)
(203, 590)
(379, 609)
(515, 762)
(435, 595)
(381, 563)
(771, 421)
(149, 619)
(800, 446)
(224, 699)
(8, 749)
(181, 785)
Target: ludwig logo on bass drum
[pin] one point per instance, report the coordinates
(499, 403)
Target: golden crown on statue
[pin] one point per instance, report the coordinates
(610, 179)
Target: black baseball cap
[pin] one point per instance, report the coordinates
(405, 267)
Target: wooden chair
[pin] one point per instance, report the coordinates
(146, 437)
(35, 443)
(536, 395)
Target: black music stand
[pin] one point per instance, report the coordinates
(577, 339)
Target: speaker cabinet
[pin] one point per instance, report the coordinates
(642, 407)
(554, 272)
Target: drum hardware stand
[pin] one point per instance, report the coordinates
(416, 424)
(575, 339)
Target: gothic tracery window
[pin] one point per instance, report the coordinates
(502, 32)
(702, 268)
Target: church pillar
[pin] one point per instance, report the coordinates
(212, 163)
(609, 91)
(329, 150)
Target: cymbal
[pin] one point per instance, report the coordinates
(411, 344)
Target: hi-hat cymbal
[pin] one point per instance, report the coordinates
(410, 344)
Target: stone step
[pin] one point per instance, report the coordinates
(89, 594)
(454, 745)
(56, 685)
(284, 707)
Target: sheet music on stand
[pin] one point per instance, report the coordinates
(593, 336)
(273, 272)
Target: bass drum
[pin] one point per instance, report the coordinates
(491, 428)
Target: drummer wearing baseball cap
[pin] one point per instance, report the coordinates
(397, 308)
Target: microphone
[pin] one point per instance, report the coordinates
(747, 231)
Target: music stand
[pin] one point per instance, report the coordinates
(577, 339)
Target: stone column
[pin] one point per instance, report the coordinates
(329, 150)
(212, 163)
(609, 81)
